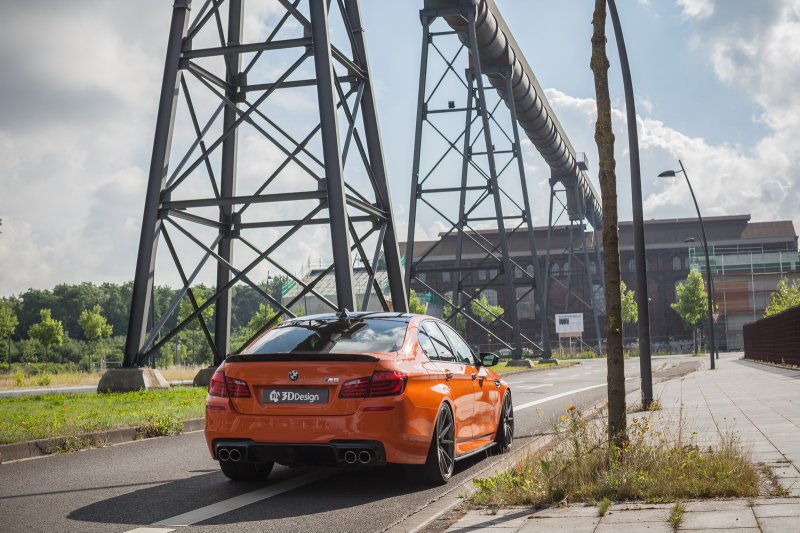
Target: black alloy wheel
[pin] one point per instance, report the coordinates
(446, 442)
(505, 427)
(439, 464)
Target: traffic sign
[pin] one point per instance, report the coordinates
(715, 316)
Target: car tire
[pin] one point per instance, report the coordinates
(440, 462)
(504, 437)
(245, 471)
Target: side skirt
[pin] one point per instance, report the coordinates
(475, 451)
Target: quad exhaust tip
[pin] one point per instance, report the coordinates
(350, 457)
(364, 457)
(229, 454)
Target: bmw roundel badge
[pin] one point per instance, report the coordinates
(293, 375)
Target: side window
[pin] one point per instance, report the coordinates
(439, 341)
(426, 344)
(462, 348)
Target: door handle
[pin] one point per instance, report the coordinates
(448, 375)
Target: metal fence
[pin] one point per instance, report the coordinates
(775, 339)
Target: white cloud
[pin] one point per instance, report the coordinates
(696, 9)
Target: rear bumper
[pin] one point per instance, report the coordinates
(401, 435)
(336, 453)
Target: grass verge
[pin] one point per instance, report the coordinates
(70, 415)
(504, 369)
(653, 467)
(26, 379)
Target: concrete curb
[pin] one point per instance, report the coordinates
(38, 448)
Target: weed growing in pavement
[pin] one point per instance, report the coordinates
(581, 466)
(71, 415)
(771, 485)
(676, 515)
(605, 503)
(655, 405)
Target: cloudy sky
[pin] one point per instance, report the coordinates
(716, 85)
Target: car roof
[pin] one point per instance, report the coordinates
(360, 315)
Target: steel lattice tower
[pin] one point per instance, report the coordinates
(487, 191)
(231, 102)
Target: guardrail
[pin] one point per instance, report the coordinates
(775, 339)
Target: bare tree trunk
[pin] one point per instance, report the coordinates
(604, 137)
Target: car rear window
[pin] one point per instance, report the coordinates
(377, 335)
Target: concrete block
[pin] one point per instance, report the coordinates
(722, 519)
(527, 363)
(131, 379)
(778, 524)
(203, 378)
(778, 510)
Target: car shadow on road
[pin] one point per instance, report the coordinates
(340, 492)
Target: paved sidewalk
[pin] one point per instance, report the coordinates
(759, 403)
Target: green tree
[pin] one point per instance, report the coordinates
(95, 327)
(692, 304)
(485, 312)
(458, 322)
(607, 175)
(415, 305)
(275, 286)
(630, 311)
(785, 297)
(264, 314)
(193, 328)
(8, 323)
(48, 332)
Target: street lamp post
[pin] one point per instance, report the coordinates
(645, 367)
(672, 174)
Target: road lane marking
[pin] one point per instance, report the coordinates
(231, 504)
(531, 387)
(151, 530)
(557, 396)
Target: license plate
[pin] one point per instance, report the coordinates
(294, 396)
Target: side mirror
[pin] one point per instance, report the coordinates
(489, 359)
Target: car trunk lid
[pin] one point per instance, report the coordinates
(298, 384)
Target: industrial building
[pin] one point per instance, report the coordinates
(747, 259)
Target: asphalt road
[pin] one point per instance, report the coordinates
(170, 483)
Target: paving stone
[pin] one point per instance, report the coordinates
(780, 509)
(634, 516)
(716, 505)
(779, 524)
(643, 527)
(557, 525)
(567, 512)
(719, 519)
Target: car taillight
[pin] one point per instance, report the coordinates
(385, 383)
(355, 388)
(381, 383)
(227, 387)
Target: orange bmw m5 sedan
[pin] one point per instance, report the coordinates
(357, 389)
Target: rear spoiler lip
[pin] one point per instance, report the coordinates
(300, 357)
